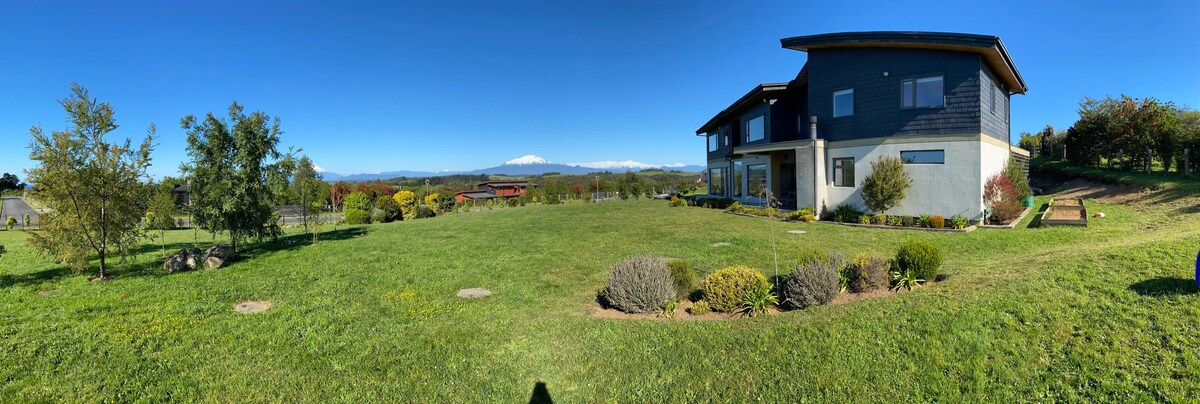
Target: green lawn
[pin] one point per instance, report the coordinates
(1104, 313)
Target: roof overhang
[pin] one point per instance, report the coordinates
(763, 92)
(989, 47)
(775, 146)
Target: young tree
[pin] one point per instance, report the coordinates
(161, 210)
(884, 188)
(92, 187)
(337, 194)
(231, 159)
(308, 189)
(10, 222)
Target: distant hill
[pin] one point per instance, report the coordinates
(524, 165)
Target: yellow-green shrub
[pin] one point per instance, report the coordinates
(725, 289)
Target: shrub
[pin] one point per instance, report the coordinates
(709, 201)
(684, 277)
(802, 215)
(907, 221)
(669, 309)
(759, 298)
(959, 222)
(10, 222)
(884, 188)
(919, 257)
(879, 218)
(424, 211)
(846, 213)
(813, 283)
(554, 200)
(868, 273)
(700, 308)
(1001, 199)
(639, 284)
(895, 221)
(357, 201)
(355, 216)
(725, 290)
(676, 202)
(378, 215)
(407, 201)
(924, 220)
(1019, 181)
(864, 219)
(937, 221)
(390, 209)
(513, 202)
(26, 220)
(811, 255)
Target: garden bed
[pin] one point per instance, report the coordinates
(884, 226)
(1010, 225)
(1065, 212)
(683, 314)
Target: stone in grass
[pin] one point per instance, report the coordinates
(721, 244)
(797, 231)
(474, 293)
(252, 306)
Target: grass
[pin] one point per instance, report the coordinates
(1104, 313)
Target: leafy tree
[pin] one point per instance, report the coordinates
(308, 189)
(1019, 181)
(10, 222)
(92, 187)
(161, 210)
(337, 194)
(390, 208)
(10, 182)
(884, 188)
(357, 201)
(1030, 142)
(26, 220)
(408, 204)
(231, 160)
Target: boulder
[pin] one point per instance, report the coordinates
(213, 262)
(176, 262)
(192, 258)
(214, 257)
(474, 293)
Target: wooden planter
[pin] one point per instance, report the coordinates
(1065, 212)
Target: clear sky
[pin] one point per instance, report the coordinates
(368, 87)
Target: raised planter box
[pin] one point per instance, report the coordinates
(1065, 212)
(1010, 225)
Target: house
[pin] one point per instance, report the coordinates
(939, 101)
(494, 189)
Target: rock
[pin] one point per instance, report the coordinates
(474, 293)
(213, 262)
(192, 259)
(220, 251)
(721, 244)
(252, 306)
(177, 262)
(797, 231)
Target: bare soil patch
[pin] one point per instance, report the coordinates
(252, 306)
(1066, 214)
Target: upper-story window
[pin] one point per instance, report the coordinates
(712, 142)
(843, 103)
(755, 130)
(924, 92)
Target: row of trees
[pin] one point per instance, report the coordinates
(1127, 133)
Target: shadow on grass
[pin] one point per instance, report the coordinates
(540, 395)
(33, 278)
(1165, 287)
(1037, 217)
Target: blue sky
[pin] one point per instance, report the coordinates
(369, 87)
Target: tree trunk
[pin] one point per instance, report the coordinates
(101, 266)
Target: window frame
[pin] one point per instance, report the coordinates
(842, 168)
(833, 105)
(750, 178)
(746, 128)
(914, 96)
(906, 162)
(712, 183)
(736, 179)
(713, 144)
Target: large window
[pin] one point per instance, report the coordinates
(755, 130)
(737, 179)
(716, 181)
(843, 172)
(843, 103)
(712, 142)
(925, 92)
(923, 156)
(758, 179)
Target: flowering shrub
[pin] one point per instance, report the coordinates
(408, 204)
(1001, 198)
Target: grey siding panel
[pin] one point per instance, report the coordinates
(877, 111)
(994, 124)
(761, 109)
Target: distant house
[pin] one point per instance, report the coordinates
(183, 196)
(494, 189)
(939, 101)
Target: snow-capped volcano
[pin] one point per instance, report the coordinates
(625, 165)
(525, 160)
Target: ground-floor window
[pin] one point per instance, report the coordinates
(758, 179)
(716, 181)
(737, 179)
(843, 172)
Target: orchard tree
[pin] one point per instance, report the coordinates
(884, 188)
(231, 159)
(93, 188)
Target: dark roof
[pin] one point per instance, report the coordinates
(764, 91)
(503, 183)
(477, 194)
(989, 47)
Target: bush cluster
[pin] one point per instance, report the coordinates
(710, 202)
(814, 282)
(639, 284)
(801, 215)
(920, 258)
(867, 273)
(846, 213)
(684, 277)
(725, 289)
(356, 216)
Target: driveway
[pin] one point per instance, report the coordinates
(17, 208)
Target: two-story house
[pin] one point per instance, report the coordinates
(494, 189)
(939, 101)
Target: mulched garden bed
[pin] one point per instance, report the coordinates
(682, 314)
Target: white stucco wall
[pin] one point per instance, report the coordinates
(948, 189)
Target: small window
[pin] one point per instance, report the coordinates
(716, 181)
(737, 179)
(843, 172)
(926, 92)
(843, 103)
(712, 142)
(923, 156)
(758, 179)
(755, 130)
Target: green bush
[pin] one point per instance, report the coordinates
(355, 216)
(895, 221)
(684, 276)
(389, 208)
(676, 202)
(802, 215)
(879, 218)
(864, 219)
(925, 220)
(813, 283)
(639, 284)
(425, 211)
(725, 290)
(356, 201)
(959, 222)
(937, 221)
(868, 273)
(846, 213)
(907, 221)
(759, 299)
(379, 215)
(919, 257)
(884, 188)
(700, 308)
(711, 202)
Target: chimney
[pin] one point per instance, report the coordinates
(812, 124)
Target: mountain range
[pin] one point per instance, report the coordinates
(524, 165)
